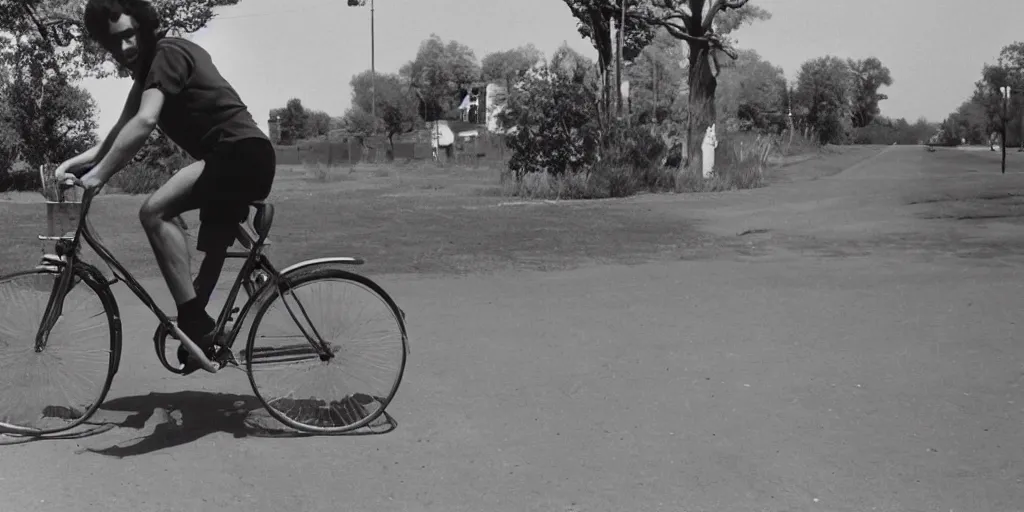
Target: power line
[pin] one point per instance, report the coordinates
(328, 3)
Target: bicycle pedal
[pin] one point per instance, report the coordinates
(223, 357)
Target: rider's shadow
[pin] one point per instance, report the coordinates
(186, 416)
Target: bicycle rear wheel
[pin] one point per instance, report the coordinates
(56, 386)
(364, 329)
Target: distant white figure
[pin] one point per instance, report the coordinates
(468, 102)
(708, 151)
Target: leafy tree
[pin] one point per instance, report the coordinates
(573, 65)
(9, 138)
(553, 121)
(397, 110)
(981, 115)
(362, 125)
(439, 72)
(822, 97)
(657, 77)
(162, 154)
(882, 130)
(867, 75)
(879, 131)
(296, 122)
(509, 65)
(397, 107)
(53, 119)
(292, 120)
(969, 122)
(918, 132)
(752, 92)
(594, 20)
(54, 32)
(1008, 71)
(318, 124)
(45, 50)
(705, 32)
(360, 122)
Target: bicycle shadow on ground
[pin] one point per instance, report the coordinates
(173, 419)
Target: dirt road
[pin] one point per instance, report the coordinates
(851, 352)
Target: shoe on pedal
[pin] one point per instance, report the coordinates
(205, 341)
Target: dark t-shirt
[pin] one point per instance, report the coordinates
(201, 109)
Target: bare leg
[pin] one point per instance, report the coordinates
(165, 237)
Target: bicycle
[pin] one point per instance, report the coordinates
(40, 404)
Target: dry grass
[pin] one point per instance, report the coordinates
(543, 185)
(412, 217)
(742, 162)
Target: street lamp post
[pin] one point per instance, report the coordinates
(373, 67)
(1005, 90)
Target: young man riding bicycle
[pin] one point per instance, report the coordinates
(177, 88)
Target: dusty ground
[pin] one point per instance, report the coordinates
(841, 341)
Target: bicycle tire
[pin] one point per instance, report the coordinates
(17, 361)
(352, 405)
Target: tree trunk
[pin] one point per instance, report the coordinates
(605, 71)
(701, 105)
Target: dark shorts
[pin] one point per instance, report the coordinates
(234, 175)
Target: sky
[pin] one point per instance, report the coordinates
(274, 50)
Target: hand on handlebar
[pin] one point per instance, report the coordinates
(66, 183)
(85, 178)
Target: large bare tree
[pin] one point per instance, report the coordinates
(703, 25)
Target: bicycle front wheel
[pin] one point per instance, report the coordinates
(57, 384)
(365, 334)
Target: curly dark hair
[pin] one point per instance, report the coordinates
(99, 13)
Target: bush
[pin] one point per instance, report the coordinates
(139, 179)
(552, 117)
(629, 163)
(545, 185)
(20, 178)
(634, 146)
(152, 166)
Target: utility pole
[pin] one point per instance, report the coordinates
(618, 58)
(373, 64)
(373, 67)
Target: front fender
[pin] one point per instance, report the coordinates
(322, 261)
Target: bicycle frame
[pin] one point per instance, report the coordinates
(66, 260)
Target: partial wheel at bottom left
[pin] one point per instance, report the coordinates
(51, 387)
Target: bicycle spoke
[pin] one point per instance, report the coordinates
(356, 323)
(55, 389)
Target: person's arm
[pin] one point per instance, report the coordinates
(130, 109)
(131, 137)
(93, 155)
(77, 163)
(169, 73)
